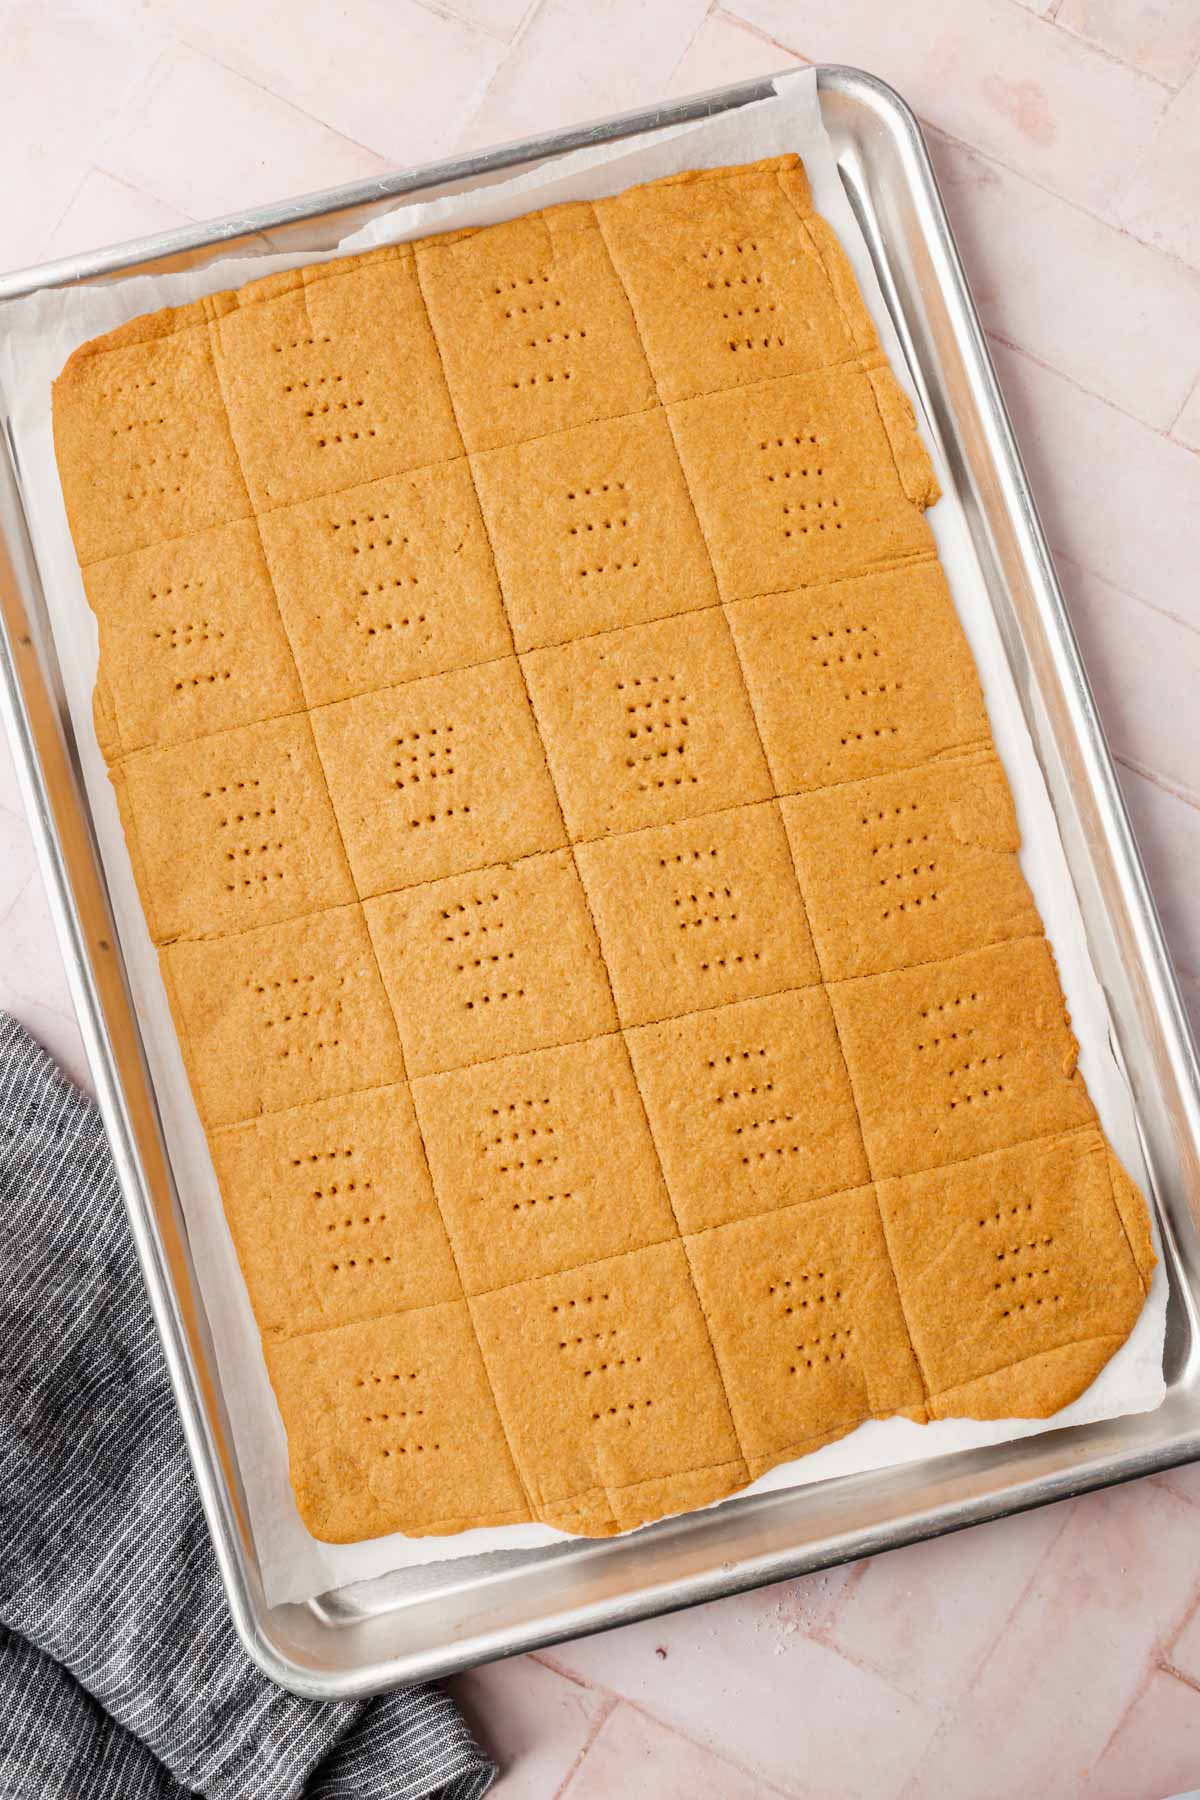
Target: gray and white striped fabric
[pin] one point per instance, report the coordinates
(120, 1675)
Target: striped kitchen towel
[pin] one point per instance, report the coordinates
(120, 1674)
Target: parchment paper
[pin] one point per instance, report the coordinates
(36, 337)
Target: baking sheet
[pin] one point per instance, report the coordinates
(41, 331)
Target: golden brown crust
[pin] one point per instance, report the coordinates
(584, 883)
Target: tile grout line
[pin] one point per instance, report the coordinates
(1089, 212)
(1167, 1667)
(709, 10)
(217, 59)
(446, 11)
(1193, 393)
(1164, 612)
(721, 11)
(910, 1791)
(565, 1673)
(1156, 780)
(616, 1013)
(531, 12)
(131, 187)
(1162, 432)
(1160, 1481)
(608, 1707)
(1051, 18)
(1153, 1667)
(1168, 95)
(141, 89)
(975, 151)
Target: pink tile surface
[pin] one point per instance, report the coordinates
(725, 50)
(929, 1632)
(1168, 835)
(67, 73)
(1155, 1749)
(1159, 202)
(1114, 496)
(413, 61)
(1183, 1650)
(537, 1724)
(1187, 426)
(1183, 1482)
(106, 210)
(633, 1753)
(166, 145)
(1161, 37)
(992, 74)
(1024, 248)
(502, 17)
(723, 1680)
(1053, 1655)
(583, 62)
(1135, 655)
(1071, 1659)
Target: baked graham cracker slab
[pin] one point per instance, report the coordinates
(562, 798)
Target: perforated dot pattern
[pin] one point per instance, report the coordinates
(547, 325)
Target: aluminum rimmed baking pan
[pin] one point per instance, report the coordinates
(445, 1616)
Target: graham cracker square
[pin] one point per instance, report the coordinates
(958, 1057)
(728, 278)
(191, 641)
(332, 1212)
(592, 529)
(607, 1386)
(911, 868)
(647, 724)
(1017, 1277)
(391, 1426)
(542, 1162)
(314, 405)
(492, 963)
(807, 1325)
(698, 914)
(386, 582)
(142, 441)
(438, 776)
(859, 677)
(233, 831)
(534, 327)
(796, 481)
(282, 1016)
(750, 1107)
